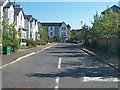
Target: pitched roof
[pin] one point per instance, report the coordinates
(8, 5)
(28, 17)
(68, 26)
(114, 8)
(33, 19)
(76, 30)
(51, 24)
(17, 10)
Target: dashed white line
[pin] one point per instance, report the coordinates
(57, 79)
(59, 63)
(56, 87)
(57, 83)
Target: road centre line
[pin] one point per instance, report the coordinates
(59, 63)
(57, 83)
(56, 87)
(58, 79)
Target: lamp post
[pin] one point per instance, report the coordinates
(81, 34)
(81, 24)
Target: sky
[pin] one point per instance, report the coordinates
(70, 12)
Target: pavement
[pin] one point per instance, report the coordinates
(109, 58)
(61, 66)
(20, 53)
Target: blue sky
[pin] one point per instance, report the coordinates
(70, 12)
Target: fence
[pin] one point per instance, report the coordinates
(111, 44)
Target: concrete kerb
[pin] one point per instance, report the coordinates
(94, 55)
(27, 55)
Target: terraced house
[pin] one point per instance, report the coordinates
(24, 24)
(2, 4)
(28, 27)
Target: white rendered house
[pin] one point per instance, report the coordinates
(57, 31)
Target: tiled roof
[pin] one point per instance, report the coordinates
(8, 5)
(68, 26)
(114, 8)
(17, 10)
(28, 17)
(51, 24)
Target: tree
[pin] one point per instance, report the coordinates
(106, 26)
(43, 33)
(96, 29)
(75, 36)
(84, 33)
(9, 35)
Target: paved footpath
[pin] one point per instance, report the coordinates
(13, 56)
(108, 58)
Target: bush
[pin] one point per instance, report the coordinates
(50, 41)
(31, 43)
(41, 42)
(23, 47)
(6, 42)
(15, 44)
(24, 40)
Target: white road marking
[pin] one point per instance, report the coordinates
(59, 63)
(57, 83)
(20, 58)
(100, 79)
(56, 87)
(45, 48)
(57, 80)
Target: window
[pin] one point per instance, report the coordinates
(50, 28)
(21, 17)
(63, 28)
(51, 33)
(63, 33)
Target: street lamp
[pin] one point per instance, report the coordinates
(81, 24)
(81, 34)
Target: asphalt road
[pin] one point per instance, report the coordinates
(61, 66)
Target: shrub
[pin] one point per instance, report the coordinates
(41, 42)
(15, 44)
(6, 42)
(31, 43)
(24, 40)
(23, 47)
